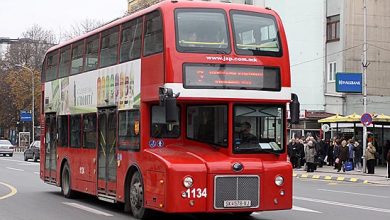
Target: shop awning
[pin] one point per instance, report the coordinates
(355, 118)
(332, 119)
(381, 118)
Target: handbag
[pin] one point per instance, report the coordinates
(348, 166)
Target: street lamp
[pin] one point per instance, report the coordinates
(33, 96)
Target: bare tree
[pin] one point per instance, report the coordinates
(82, 27)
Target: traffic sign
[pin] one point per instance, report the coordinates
(25, 116)
(366, 119)
(325, 127)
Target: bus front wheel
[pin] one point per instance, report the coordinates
(137, 197)
(65, 182)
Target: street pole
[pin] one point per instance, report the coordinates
(364, 65)
(32, 101)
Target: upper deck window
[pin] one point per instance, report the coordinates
(255, 34)
(77, 58)
(64, 62)
(131, 40)
(201, 31)
(52, 64)
(153, 31)
(109, 47)
(92, 52)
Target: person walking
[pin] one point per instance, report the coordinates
(343, 156)
(370, 157)
(310, 154)
(336, 153)
(358, 155)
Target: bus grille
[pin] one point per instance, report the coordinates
(239, 188)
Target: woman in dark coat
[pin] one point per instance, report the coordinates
(343, 156)
(358, 155)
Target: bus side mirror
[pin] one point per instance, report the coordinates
(168, 100)
(294, 109)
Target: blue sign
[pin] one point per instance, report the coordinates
(152, 143)
(25, 116)
(349, 82)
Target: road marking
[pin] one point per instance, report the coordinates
(13, 191)
(20, 162)
(301, 209)
(10, 168)
(327, 178)
(342, 204)
(88, 209)
(360, 194)
(36, 173)
(28, 164)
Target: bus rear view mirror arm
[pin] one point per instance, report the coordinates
(168, 99)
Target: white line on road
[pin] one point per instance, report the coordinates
(10, 168)
(297, 208)
(88, 209)
(19, 161)
(343, 204)
(360, 194)
(36, 173)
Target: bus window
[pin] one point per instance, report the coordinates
(77, 58)
(159, 127)
(52, 64)
(258, 129)
(64, 62)
(89, 131)
(75, 122)
(109, 47)
(208, 124)
(62, 130)
(92, 52)
(201, 30)
(153, 42)
(129, 130)
(255, 34)
(131, 40)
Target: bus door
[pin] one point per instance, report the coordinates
(50, 148)
(107, 165)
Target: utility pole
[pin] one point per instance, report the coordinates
(364, 66)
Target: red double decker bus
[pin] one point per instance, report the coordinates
(180, 108)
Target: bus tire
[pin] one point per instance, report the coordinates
(66, 182)
(136, 195)
(242, 214)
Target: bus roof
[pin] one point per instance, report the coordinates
(167, 4)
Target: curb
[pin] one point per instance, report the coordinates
(331, 178)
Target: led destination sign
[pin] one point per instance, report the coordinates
(216, 76)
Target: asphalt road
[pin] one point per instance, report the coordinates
(23, 196)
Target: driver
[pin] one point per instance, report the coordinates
(245, 135)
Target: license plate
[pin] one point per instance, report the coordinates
(236, 203)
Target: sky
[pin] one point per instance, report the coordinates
(16, 16)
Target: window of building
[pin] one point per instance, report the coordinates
(109, 47)
(63, 131)
(75, 131)
(333, 28)
(131, 40)
(129, 130)
(89, 131)
(77, 58)
(63, 70)
(153, 42)
(332, 71)
(92, 52)
(51, 68)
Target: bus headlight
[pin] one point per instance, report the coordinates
(279, 180)
(188, 182)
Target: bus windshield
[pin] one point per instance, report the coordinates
(202, 30)
(255, 34)
(258, 129)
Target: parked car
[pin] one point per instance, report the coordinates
(6, 148)
(32, 152)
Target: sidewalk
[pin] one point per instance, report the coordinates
(328, 173)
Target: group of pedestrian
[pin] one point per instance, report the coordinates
(309, 152)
